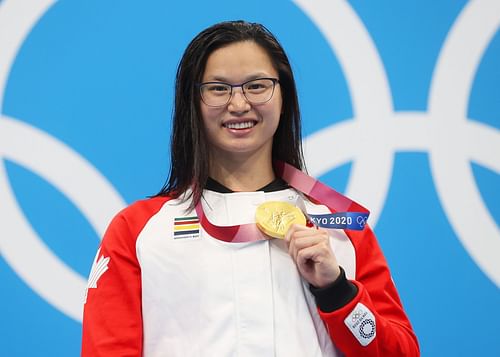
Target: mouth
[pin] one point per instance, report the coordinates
(240, 125)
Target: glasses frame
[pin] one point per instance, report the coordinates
(200, 86)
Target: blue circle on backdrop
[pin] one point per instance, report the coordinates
(99, 77)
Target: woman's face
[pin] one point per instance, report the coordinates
(240, 128)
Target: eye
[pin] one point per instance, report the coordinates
(255, 86)
(216, 88)
(258, 85)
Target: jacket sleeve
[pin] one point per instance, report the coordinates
(373, 322)
(112, 318)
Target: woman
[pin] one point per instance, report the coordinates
(186, 273)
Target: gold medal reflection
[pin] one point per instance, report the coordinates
(274, 218)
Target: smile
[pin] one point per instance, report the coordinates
(242, 125)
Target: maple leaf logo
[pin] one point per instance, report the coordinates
(99, 267)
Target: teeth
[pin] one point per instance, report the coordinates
(244, 125)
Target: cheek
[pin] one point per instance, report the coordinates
(209, 116)
(276, 109)
(279, 101)
(205, 113)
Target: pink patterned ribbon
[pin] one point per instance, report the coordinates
(336, 203)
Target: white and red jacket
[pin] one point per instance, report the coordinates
(161, 286)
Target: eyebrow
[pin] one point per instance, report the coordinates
(248, 78)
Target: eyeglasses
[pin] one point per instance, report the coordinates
(256, 91)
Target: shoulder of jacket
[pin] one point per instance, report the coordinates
(150, 204)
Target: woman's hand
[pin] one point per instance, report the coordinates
(311, 251)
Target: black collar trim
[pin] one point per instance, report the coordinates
(277, 184)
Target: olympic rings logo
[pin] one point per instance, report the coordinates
(361, 220)
(374, 117)
(356, 315)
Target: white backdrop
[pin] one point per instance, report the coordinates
(401, 111)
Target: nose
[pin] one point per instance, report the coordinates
(238, 102)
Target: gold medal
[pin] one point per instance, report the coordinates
(274, 218)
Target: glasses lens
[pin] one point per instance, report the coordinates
(215, 94)
(259, 90)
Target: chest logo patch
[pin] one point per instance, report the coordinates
(186, 227)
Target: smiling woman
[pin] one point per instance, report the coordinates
(231, 55)
(241, 130)
(189, 273)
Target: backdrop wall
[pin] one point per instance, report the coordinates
(401, 111)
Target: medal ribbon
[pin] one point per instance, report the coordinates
(346, 214)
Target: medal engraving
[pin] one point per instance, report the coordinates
(279, 220)
(274, 218)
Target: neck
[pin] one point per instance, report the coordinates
(243, 175)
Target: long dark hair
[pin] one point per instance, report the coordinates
(189, 164)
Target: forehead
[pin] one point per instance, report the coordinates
(239, 61)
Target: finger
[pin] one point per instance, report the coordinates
(317, 242)
(297, 230)
(292, 247)
(291, 230)
(301, 237)
(309, 241)
(299, 227)
(317, 265)
(308, 237)
(309, 255)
